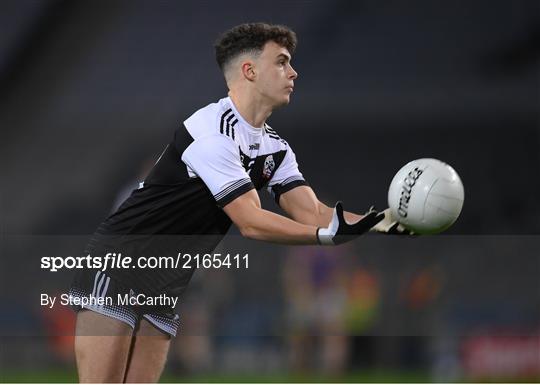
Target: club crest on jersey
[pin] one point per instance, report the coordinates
(269, 166)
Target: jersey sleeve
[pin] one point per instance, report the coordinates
(216, 160)
(286, 177)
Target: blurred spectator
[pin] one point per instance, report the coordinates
(329, 302)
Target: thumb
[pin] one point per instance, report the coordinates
(339, 211)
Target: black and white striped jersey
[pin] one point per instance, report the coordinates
(231, 156)
(215, 157)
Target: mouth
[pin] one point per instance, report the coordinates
(290, 88)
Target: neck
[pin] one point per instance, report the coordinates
(253, 108)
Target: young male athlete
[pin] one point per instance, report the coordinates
(205, 179)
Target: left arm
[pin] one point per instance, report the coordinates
(301, 204)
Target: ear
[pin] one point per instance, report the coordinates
(248, 70)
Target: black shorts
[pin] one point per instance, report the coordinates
(94, 290)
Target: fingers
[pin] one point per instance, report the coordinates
(371, 219)
(403, 230)
(380, 217)
(398, 228)
(367, 222)
(394, 228)
(379, 221)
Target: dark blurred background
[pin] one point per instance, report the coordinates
(90, 93)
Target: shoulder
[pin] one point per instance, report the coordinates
(215, 141)
(215, 118)
(211, 149)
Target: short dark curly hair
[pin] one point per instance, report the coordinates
(252, 37)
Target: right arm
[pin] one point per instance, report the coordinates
(222, 172)
(256, 223)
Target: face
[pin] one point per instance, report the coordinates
(274, 75)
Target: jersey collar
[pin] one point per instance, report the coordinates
(252, 130)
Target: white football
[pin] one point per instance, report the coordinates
(426, 196)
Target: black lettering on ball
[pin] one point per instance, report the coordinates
(406, 191)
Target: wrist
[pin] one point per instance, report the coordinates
(324, 237)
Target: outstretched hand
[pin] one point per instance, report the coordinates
(339, 231)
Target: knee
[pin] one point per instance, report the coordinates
(101, 359)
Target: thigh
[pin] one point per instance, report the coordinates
(102, 347)
(148, 354)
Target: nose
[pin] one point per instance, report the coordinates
(292, 73)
